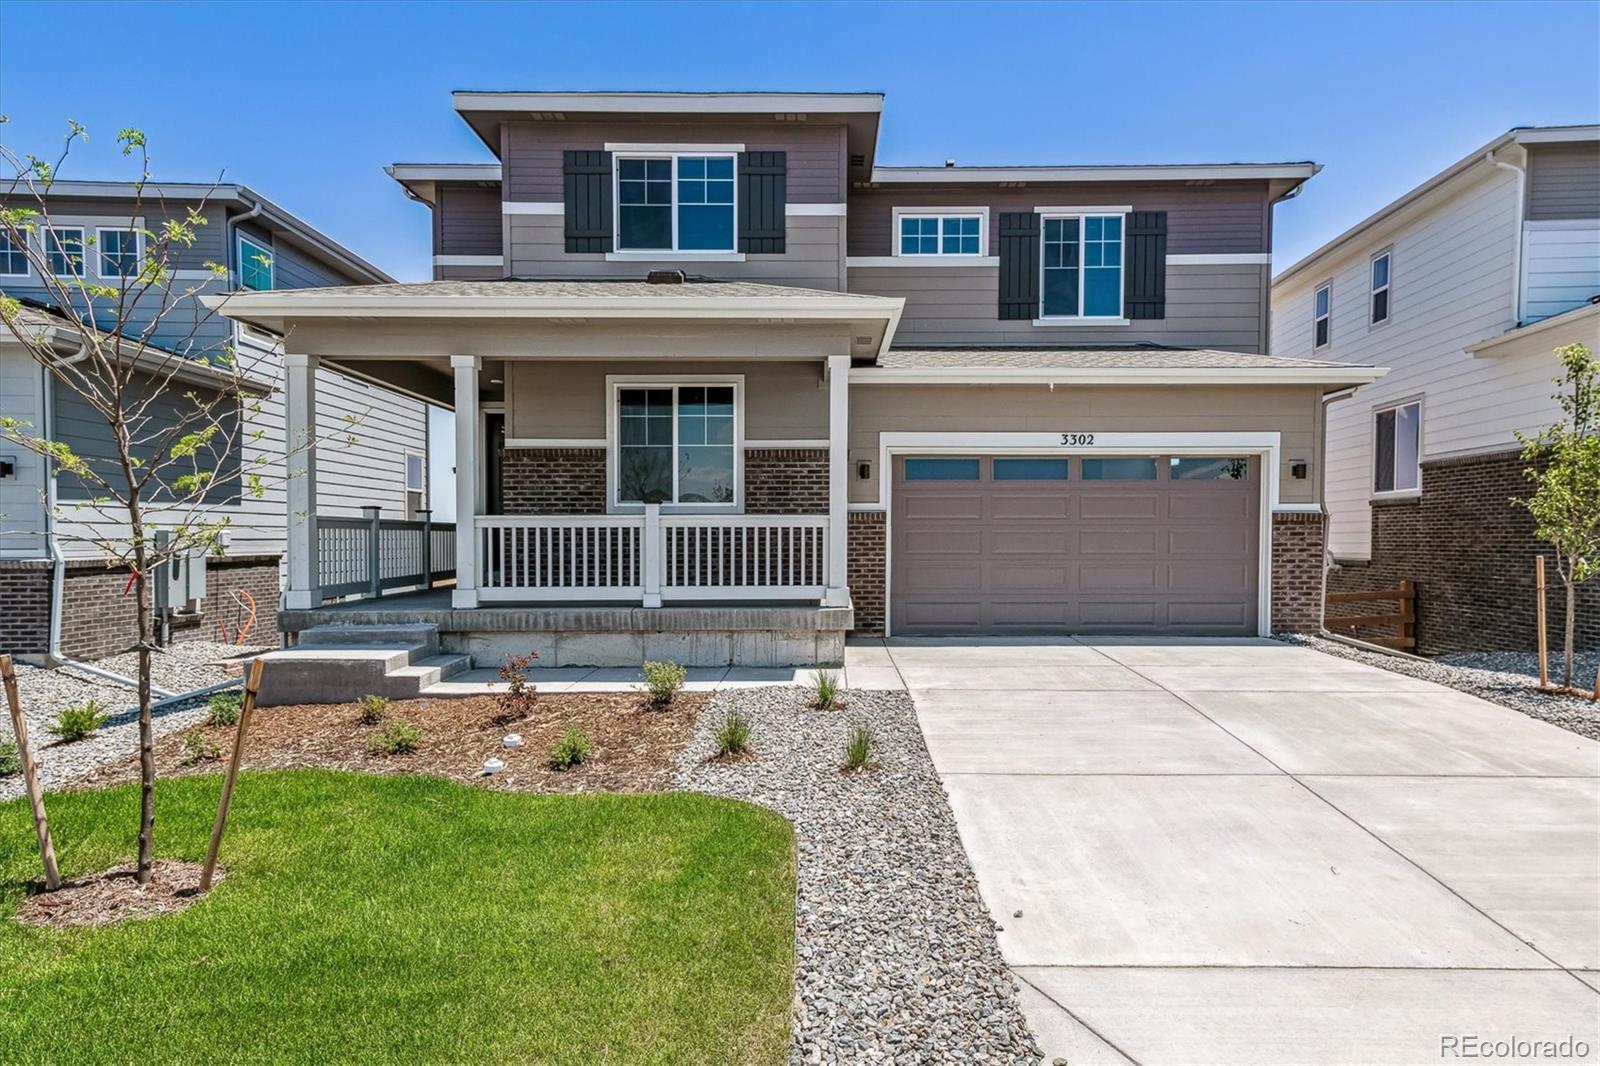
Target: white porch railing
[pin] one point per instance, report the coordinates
(409, 554)
(651, 557)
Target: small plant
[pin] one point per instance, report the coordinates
(223, 708)
(858, 748)
(733, 735)
(196, 750)
(570, 750)
(75, 723)
(372, 708)
(10, 758)
(516, 702)
(663, 680)
(825, 690)
(397, 737)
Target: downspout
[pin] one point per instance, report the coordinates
(233, 243)
(1516, 255)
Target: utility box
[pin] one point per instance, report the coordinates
(184, 580)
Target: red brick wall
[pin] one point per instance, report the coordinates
(786, 481)
(553, 481)
(1298, 542)
(868, 559)
(25, 607)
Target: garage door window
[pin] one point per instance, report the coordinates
(1209, 468)
(942, 469)
(1132, 468)
(1030, 469)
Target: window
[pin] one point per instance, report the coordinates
(63, 247)
(1082, 267)
(676, 444)
(413, 472)
(1398, 448)
(1321, 324)
(946, 469)
(120, 251)
(1127, 469)
(13, 260)
(1380, 288)
(675, 203)
(941, 235)
(1030, 469)
(255, 265)
(1209, 468)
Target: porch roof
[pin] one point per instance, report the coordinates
(1127, 364)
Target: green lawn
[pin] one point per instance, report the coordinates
(410, 919)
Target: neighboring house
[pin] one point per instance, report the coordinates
(1463, 286)
(705, 353)
(264, 248)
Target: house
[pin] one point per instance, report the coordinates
(59, 592)
(1463, 286)
(726, 388)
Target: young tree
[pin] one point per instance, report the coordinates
(1565, 471)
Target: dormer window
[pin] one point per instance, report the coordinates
(675, 202)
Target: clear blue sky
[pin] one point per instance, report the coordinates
(307, 102)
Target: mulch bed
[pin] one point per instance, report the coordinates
(115, 895)
(633, 746)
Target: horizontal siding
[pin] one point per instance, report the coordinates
(1207, 306)
(466, 220)
(1561, 267)
(1564, 180)
(1227, 217)
(467, 273)
(21, 497)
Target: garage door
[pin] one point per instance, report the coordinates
(1056, 544)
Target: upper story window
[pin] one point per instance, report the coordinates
(940, 234)
(1082, 274)
(1380, 289)
(63, 249)
(255, 265)
(1397, 449)
(120, 252)
(675, 203)
(1322, 317)
(13, 259)
(677, 444)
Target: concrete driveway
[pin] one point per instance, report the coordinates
(1246, 852)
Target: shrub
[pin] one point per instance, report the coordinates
(372, 708)
(570, 750)
(825, 689)
(663, 680)
(75, 723)
(223, 708)
(516, 702)
(858, 748)
(10, 758)
(733, 735)
(196, 750)
(397, 737)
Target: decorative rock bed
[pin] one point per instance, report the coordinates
(896, 954)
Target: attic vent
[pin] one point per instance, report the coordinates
(863, 340)
(858, 160)
(664, 277)
(547, 116)
(1199, 182)
(790, 117)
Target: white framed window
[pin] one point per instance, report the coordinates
(255, 265)
(1080, 275)
(414, 475)
(1378, 306)
(13, 258)
(927, 231)
(679, 443)
(675, 202)
(121, 251)
(1322, 316)
(63, 250)
(1397, 449)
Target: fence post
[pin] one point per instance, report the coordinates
(1408, 613)
(374, 546)
(1539, 613)
(426, 518)
(650, 551)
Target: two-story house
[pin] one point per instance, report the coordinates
(1464, 286)
(60, 595)
(707, 356)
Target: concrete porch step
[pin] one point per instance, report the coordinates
(341, 663)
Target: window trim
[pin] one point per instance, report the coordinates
(703, 255)
(1387, 288)
(907, 211)
(1326, 286)
(46, 230)
(1372, 477)
(615, 383)
(27, 267)
(100, 252)
(1120, 212)
(422, 469)
(240, 240)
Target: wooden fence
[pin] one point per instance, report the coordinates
(1403, 619)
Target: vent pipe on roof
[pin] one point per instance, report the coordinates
(950, 162)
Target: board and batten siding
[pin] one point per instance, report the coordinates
(22, 518)
(1564, 181)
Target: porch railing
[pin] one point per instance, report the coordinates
(650, 557)
(408, 554)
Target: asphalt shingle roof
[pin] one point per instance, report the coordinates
(1144, 356)
(578, 289)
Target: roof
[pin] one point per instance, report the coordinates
(1520, 135)
(1294, 172)
(691, 289)
(1584, 316)
(1150, 364)
(419, 179)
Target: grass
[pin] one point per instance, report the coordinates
(408, 919)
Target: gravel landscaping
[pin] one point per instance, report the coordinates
(896, 957)
(1508, 678)
(181, 668)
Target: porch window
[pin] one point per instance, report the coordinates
(676, 444)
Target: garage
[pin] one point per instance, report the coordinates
(1053, 544)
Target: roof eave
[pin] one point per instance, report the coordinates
(1312, 375)
(1299, 172)
(1486, 348)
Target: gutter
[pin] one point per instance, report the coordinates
(232, 235)
(1310, 375)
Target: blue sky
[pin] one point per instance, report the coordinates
(307, 103)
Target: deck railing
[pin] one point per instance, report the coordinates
(409, 554)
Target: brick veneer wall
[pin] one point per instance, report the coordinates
(553, 481)
(868, 559)
(1470, 552)
(1298, 542)
(786, 481)
(25, 606)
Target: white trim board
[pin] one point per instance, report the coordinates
(678, 148)
(469, 260)
(1219, 258)
(915, 261)
(754, 445)
(530, 207)
(555, 442)
(804, 210)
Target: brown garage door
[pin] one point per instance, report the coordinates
(1054, 544)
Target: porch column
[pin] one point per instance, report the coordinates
(466, 370)
(837, 594)
(300, 435)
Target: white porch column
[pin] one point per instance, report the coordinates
(466, 370)
(300, 434)
(838, 594)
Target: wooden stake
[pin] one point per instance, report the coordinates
(251, 686)
(30, 776)
(1539, 612)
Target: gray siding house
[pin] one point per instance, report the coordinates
(47, 556)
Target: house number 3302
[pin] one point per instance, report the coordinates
(1077, 440)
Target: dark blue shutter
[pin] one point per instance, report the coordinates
(586, 189)
(1145, 284)
(763, 194)
(1019, 265)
